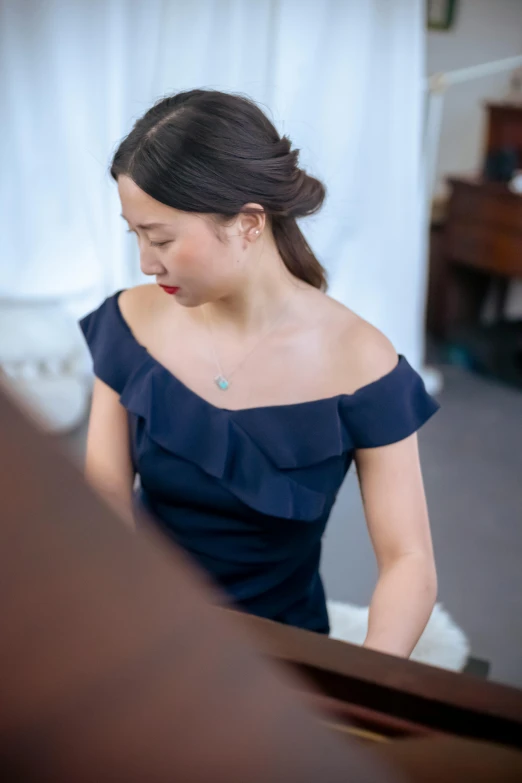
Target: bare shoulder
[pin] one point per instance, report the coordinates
(138, 305)
(370, 354)
(361, 353)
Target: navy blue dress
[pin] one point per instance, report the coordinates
(248, 493)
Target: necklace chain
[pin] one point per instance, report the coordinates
(221, 380)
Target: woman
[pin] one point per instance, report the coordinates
(237, 390)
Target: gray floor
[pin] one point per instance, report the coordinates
(472, 459)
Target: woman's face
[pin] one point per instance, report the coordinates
(183, 250)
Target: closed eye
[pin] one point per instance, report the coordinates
(152, 244)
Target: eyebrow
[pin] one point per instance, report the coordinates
(147, 225)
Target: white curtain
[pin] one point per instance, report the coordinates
(342, 77)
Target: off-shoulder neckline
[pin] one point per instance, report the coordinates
(401, 364)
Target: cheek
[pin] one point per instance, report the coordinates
(185, 257)
(202, 258)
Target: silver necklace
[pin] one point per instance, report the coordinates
(222, 380)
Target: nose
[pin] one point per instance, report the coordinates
(149, 262)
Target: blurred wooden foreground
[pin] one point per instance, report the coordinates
(117, 664)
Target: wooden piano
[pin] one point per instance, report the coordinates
(379, 698)
(119, 662)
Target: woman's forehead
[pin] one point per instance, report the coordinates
(142, 210)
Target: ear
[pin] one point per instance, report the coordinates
(251, 222)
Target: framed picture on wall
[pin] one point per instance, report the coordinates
(441, 14)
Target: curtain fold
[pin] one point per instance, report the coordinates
(343, 78)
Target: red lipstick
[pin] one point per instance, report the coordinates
(169, 289)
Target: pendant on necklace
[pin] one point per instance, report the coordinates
(221, 382)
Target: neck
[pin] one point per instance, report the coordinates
(261, 297)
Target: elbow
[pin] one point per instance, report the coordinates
(432, 588)
(421, 573)
(428, 578)
(435, 587)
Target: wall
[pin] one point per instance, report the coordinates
(485, 30)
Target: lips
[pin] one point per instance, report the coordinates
(169, 289)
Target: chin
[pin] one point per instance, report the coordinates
(199, 299)
(190, 300)
(189, 304)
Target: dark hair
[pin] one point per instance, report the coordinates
(213, 152)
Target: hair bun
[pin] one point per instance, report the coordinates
(309, 194)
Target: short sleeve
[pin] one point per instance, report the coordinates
(112, 347)
(389, 409)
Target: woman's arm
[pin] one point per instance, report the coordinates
(395, 506)
(108, 465)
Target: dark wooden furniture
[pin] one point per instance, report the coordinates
(504, 128)
(381, 697)
(119, 662)
(479, 245)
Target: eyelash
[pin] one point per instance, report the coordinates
(152, 244)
